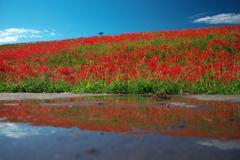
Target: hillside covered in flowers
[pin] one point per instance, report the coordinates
(204, 60)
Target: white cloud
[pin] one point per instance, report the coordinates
(52, 34)
(224, 18)
(196, 16)
(15, 34)
(8, 39)
(35, 36)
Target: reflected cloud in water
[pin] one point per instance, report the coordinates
(223, 145)
(18, 130)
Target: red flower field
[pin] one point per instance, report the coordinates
(204, 60)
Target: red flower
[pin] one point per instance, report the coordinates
(64, 70)
(109, 80)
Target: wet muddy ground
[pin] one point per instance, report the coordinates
(87, 126)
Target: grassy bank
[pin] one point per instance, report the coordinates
(138, 87)
(200, 61)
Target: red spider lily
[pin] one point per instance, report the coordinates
(190, 54)
(64, 70)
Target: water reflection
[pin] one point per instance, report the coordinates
(132, 115)
(223, 145)
(18, 130)
(101, 127)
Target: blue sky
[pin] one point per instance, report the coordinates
(44, 20)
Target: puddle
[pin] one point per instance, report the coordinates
(119, 127)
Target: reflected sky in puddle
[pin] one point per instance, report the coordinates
(119, 127)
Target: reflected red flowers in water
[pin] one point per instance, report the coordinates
(221, 121)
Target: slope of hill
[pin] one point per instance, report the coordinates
(204, 60)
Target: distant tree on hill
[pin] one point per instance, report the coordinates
(100, 33)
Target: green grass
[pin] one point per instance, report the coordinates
(118, 87)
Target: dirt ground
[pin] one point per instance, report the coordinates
(225, 98)
(14, 96)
